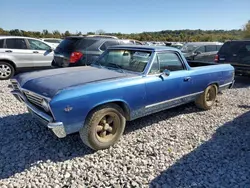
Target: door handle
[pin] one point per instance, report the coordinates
(9, 51)
(187, 79)
(35, 52)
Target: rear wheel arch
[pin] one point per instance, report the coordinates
(207, 99)
(214, 83)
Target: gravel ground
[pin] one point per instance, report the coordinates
(181, 147)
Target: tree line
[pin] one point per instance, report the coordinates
(166, 35)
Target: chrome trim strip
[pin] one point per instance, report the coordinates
(31, 107)
(226, 84)
(159, 103)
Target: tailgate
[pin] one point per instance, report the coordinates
(60, 61)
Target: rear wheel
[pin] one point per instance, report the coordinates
(207, 99)
(103, 127)
(6, 71)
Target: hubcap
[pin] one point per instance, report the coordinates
(5, 71)
(107, 127)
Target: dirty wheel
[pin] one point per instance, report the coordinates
(103, 127)
(207, 99)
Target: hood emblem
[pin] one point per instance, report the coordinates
(68, 108)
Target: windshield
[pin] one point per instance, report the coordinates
(131, 60)
(188, 48)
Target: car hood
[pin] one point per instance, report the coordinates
(48, 82)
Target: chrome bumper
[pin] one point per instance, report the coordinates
(232, 84)
(57, 127)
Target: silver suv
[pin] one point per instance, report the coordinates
(23, 53)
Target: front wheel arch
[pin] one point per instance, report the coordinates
(123, 105)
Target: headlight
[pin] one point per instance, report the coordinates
(45, 105)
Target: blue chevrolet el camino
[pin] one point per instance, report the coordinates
(125, 83)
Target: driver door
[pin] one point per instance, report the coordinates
(165, 91)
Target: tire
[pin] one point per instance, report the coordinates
(207, 99)
(6, 70)
(103, 127)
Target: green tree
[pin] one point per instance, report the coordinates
(15, 32)
(90, 33)
(246, 30)
(3, 32)
(100, 32)
(67, 33)
(56, 34)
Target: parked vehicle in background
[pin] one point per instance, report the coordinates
(177, 45)
(237, 53)
(23, 54)
(159, 43)
(132, 41)
(53, 42)
(125, 83)
(201, 51)
(83, 50)
(148, 43)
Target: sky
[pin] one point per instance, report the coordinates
(127, 16)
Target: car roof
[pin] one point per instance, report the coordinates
(203, 43)
(91, 38)
(17, 37)
(51, 38)
(143, 47)
(247, 40)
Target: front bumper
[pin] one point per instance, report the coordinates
(232, 84)
(57, 127)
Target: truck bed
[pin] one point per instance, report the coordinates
(200, 64)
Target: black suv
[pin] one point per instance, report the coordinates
(237, 53)
(82, 50)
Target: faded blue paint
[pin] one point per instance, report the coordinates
(84, 88)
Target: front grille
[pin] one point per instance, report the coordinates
(34, 99)
(14, 84)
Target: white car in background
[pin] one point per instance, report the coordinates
(54, 42)
(18, 54)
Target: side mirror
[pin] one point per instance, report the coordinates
(197, 53)
(51, 49)
(166, 72)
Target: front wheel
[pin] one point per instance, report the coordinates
(207, 99)
(6, 71)
(103, 127)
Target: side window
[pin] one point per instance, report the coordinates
(107, 44)
(16, 44)
(248, 47)
(211, 48)
(244, 50)
(38, 45)
(200, 49)
(1, 43)
(169, 61)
